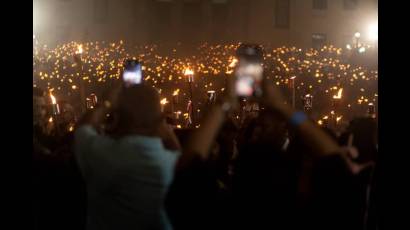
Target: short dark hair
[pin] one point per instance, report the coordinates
(139, 106)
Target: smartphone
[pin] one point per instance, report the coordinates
(248, 79)
(132, 74)
(249, 70)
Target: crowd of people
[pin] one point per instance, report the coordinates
(128, 162)
(322, 73)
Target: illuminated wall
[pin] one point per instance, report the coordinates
(278, 22)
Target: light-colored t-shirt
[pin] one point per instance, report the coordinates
(127, 180)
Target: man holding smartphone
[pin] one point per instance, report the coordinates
(128, 173)
(249, 71)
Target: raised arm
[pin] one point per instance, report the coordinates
(320, 142)
(168, 137)
(201, 140)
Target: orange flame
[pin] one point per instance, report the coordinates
(176, 92)
(53, 99)
(188, 71)
(164, 101)
(79, 49)
(339, 94)
(233, 63)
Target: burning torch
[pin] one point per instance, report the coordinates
(55, 112)
(190, 74)
(163, 103)
(175, 96)
(54, 105)
(78, 59)
(175, 99)
(337, 98)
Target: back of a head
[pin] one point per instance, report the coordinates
(138, 109)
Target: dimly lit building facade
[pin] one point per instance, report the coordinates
(303, 23)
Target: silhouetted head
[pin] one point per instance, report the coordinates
(138, 111)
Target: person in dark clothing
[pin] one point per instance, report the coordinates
(264, 175)
(203, 189)
(59, 193)
(341, 183)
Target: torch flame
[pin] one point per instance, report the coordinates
(233, 63)
(338, 118)
(164, 101)
(231, 66)
(188, 71)
(79, 49)
(176, 92)
(339, 94)
(53, 99)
